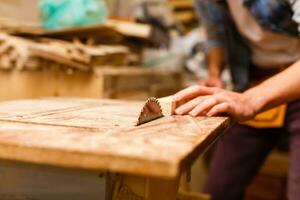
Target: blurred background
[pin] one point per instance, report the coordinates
(113, 49)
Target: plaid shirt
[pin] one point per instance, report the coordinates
(280, 16)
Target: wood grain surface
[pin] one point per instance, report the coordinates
(101, 135)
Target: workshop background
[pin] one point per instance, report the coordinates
(116, 49)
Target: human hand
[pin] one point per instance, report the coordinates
(212, 82)
(211, 101)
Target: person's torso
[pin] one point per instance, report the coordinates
(268, 48)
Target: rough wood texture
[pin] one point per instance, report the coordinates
(21, 53)
(101, 135)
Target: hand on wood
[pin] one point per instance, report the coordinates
(211, 101)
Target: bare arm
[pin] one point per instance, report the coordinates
(282, 88)
(277, 90)
(211, 17)
(215, 61)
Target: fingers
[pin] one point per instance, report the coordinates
(204, 106)
(206, 100)
(213, 101)
(194, 91)
(219, 108)
(186, 108)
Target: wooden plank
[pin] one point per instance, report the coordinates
(182, 4)
(112, 30)
(130, 29)
(185, 16)
(101, 135)
(99, 33)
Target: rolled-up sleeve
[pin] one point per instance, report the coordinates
(210, 16)
(295, 4)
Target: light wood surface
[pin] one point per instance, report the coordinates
(101, 135)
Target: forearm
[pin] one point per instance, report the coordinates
(282, 88)
(215, 60)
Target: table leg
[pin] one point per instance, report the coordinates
(129, 187)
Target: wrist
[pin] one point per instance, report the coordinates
(255, 100)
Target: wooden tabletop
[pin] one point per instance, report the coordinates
(101, 135)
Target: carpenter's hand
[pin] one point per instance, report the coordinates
(212, 82)
(211, 101)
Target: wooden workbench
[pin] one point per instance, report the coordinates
(101, 135)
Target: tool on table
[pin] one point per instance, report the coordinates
(150, 111)
(156, 108)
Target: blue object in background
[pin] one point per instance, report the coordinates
(60, 14)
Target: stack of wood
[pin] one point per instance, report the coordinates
(115, 42)
(23, 53)
(184, 12)
(111, 30)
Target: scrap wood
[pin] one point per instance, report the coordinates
(100, 33)
(130, 29)
(16, 51)
(109, 55)
(12, 52)
(111, 30)
(20, 53)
